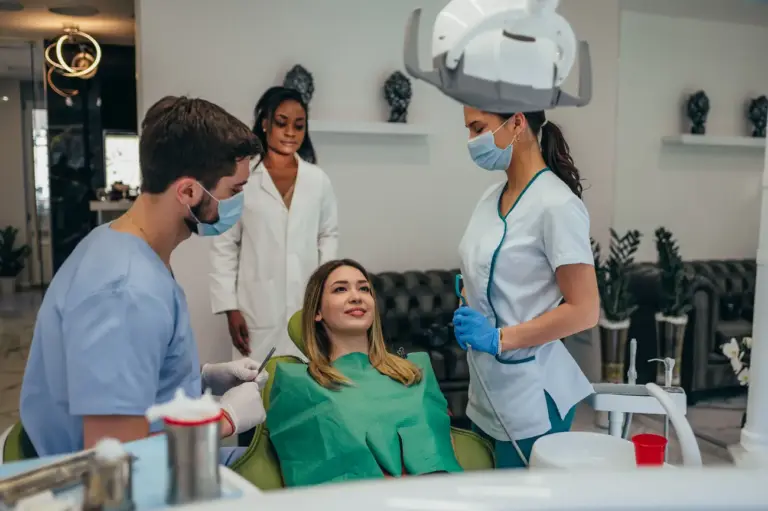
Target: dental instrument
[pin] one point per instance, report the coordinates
(463, 302)
(264, 363)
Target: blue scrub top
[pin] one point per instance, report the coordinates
(112, 337)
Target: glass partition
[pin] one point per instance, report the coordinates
(25, 171)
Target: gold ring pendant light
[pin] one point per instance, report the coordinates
(83, 65)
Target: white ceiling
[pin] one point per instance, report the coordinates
(113, 24)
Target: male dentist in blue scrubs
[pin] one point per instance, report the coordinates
(113, 334)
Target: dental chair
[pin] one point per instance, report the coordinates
(261, 467)
(15, 445)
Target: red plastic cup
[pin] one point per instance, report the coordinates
(649, 449)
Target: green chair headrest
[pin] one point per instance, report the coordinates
(294, 332)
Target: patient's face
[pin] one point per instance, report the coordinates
(347, 306)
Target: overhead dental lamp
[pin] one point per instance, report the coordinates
(502, 55)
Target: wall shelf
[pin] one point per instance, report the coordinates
(714, 141)
(368, 128)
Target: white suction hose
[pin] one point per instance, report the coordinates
(493, 407)
(688, 443)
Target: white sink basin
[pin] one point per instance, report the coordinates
(581, 449)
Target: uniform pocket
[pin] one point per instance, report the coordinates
(516, 392)
(256, 299)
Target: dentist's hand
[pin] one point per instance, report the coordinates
(473, 329)
(226, 375)
(243, 406)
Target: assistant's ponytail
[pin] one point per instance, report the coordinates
(554, 148)
(557, 155)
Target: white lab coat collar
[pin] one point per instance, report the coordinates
(261, 173)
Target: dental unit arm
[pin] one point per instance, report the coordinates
(502, 55)
(105, 473)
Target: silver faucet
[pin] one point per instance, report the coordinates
(631, 380)
(669, 366)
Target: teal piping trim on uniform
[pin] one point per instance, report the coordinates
(513, 362)
(501, 242)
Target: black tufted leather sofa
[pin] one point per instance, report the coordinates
(723, 303)
(417, 310)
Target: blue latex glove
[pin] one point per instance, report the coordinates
(473, 329)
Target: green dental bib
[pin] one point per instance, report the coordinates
(361, 431)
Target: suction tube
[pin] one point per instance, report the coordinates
(493, 407)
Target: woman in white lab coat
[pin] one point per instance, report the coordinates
(288, 228)
(529, 281)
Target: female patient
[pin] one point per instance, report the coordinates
(356, 411)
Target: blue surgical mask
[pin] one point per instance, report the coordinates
(486, 154)
(230, 211)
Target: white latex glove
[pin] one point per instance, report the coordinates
(225, 375)
(244, 406)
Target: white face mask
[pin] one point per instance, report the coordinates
(486, 154)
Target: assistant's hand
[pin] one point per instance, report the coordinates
(225, 375)
(238, 331)
(243, 406)
(473, 329)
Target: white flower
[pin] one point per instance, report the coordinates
(736, 365)
(747, 342)
(731, 350)
(744, 377)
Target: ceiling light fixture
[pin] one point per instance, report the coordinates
(80, 11)
(83, 64)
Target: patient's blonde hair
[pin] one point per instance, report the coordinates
(318, 342)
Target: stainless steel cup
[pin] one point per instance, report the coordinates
(193, 462)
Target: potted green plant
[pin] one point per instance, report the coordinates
(676, 300)
(11, 260)
(616, 301)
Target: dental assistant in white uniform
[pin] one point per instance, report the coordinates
(529, 280)
(289, 227)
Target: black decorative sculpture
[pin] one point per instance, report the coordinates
(301, 80)
(397, 92)
(698, 109)
(757, 113)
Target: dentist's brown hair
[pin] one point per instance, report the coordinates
(318, 342)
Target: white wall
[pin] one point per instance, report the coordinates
(403, 203)
(709, 198)
(12, 204)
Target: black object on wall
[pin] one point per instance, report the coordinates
(76, 146)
